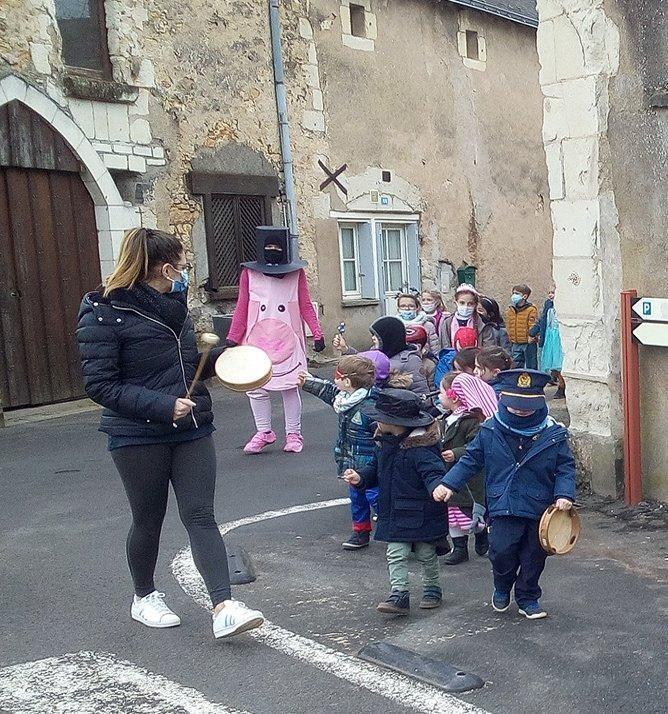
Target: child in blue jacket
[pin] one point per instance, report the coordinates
(529, 465)
(408, 469)
(355, 448)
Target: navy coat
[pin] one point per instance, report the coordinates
(136, 367)
(407, 471)
(525, 488)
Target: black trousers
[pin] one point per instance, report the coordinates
(146, 472)
(517, 558)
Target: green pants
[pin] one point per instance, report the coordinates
(397, 562)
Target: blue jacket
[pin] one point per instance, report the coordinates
(136, 367)
(525, 488)
(355, 447)
(407, 471)
(541, 325)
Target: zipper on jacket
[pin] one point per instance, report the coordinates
(178, 347)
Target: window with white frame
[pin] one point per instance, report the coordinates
(349, 253)
(379, 256)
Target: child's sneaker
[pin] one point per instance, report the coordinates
(500, 601)
(532, 611)
(259, 441)
(235, 618)
(432, 597)
(359, 539)
(397, 604)
(294, 443)
(152, 611)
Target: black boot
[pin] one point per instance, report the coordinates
(481, 542)
(460, 552)
(560, 393)
(442, 546)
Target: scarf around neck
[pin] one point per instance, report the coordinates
(345, 401)
(524, 426)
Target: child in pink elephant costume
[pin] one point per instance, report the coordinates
(274, 303)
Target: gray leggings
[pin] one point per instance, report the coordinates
(146, 471)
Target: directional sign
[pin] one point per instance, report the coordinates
(653, 309)
(652, 334)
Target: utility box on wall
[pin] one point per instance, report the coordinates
(466, 274)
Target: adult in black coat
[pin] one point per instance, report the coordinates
(139, 356)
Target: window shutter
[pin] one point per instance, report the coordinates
(413, 257)
(366, 262)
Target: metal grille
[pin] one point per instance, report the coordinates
(232, 240)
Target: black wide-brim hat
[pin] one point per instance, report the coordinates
(399, 407)
(522, 388)
(281, 236)
(275, 268)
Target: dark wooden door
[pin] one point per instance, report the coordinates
(48, 260)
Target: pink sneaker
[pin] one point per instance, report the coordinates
(294, 443)
(259, 441)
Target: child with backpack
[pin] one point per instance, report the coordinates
(407, 469)
(470, 401)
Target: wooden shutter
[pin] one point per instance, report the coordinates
(230, 234)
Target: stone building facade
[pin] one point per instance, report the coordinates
(604, 76)
(434, 108)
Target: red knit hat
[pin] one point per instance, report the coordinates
(466, 337)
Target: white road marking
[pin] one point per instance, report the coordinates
(397, 687)
(94, 682)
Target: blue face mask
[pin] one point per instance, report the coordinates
(181, 286)
(407, 314)
(516, 299)
(465, 311)
(429, 307)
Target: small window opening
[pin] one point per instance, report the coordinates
(357, 21)
(472, 50)
(387, 176)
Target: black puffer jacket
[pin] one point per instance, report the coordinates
(136, 366)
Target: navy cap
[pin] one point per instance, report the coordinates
(522, 388)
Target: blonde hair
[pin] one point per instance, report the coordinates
(436, 297)
(141, 250)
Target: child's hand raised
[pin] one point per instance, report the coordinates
(339, 343)
(351, 476)
(441, 493)
(302, 377)
(448, 456)
(563, 504)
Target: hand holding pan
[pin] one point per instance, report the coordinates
(209, 340)
(558, 530)
(244, 368)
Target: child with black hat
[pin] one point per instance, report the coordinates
(408, 468)
(529, 465)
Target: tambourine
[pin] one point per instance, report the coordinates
(558, 531)
(243, 368)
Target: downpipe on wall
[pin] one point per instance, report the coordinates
(283, 123)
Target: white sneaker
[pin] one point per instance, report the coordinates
(152, 611)
(235, 618)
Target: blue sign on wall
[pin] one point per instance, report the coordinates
(647, 308)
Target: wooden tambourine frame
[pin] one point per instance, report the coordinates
(558, 531)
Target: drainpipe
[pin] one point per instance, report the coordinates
(283, 124)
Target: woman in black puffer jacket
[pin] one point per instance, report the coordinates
(139, 355)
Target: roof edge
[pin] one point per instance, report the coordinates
(518, 17)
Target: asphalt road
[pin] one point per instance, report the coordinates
(66, 593)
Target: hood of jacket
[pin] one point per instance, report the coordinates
(423, 436)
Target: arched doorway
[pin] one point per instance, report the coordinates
(48, 259)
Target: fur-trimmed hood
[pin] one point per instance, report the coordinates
(399, 379)
(429, 436)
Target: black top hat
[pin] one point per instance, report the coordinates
(274, 262)
(399, 407)
(522, 388)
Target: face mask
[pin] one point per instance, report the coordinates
(407, 314)
(516, 299)
(271, 255)
(181, 286)
(465, 311)
(429, 307)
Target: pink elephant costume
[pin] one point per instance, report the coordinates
(274, 303)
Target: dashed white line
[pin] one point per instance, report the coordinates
(397, 687)
(94, 682)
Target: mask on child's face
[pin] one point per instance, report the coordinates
(465, 311)
(407, 314)
(429, 307)
(516, 299)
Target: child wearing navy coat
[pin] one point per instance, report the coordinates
(408, 468)
(529, 465)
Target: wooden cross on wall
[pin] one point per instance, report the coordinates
(332, 177)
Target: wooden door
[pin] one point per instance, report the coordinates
(48, 260)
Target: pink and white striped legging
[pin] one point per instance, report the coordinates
(260, 401)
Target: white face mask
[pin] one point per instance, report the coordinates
(465, 311)
(429, 307)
